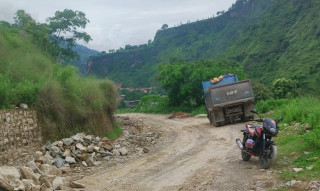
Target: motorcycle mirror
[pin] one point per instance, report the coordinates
(280, 119)
(253, 111)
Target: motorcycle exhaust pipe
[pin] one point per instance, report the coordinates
(239, 143)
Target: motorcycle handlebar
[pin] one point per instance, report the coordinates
(257, 120)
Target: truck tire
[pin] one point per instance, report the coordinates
(219, 124)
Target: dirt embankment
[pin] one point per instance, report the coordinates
(189, 155)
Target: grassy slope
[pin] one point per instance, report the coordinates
(66, 103)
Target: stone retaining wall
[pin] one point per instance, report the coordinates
(20, 134)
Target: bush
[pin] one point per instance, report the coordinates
(284, 88)
(4, 91)
(25, 92)
(261, 92)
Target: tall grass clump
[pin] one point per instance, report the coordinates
(264, 106)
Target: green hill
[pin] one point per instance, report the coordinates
(284, 43)
(269, 38)
(210, 38)
(84, 54)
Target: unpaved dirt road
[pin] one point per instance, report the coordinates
(191, 155)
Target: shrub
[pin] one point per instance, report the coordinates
(261, 92)
(4, 91)
(284, 88)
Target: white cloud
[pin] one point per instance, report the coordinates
(114, 24)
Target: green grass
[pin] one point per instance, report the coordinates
(115, 133)
(297, 146)
(161, 105)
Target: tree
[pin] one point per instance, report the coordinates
(37, 31)
(182, 80)
(22, 19)
(164, 26)
(63, 30)
(284, 88)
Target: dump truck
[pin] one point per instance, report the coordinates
(228, 101)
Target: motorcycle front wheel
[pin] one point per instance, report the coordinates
(267, 159)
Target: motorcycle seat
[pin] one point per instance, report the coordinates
(253, 127)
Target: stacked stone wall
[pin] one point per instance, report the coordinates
(20, 134)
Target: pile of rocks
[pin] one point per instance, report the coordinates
(51, 167)
(86, 150)
(34, 177)
(138, 136)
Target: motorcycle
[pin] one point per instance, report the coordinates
(257, 141)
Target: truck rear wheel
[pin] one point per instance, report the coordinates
(218, 124)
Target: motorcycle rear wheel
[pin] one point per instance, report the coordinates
(245, 156)
(266, 160)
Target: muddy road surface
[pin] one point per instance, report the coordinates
(190, 155)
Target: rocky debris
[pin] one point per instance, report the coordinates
(75, 184)
(310, 167)
(78, 154)
(10, 179)
(313, 159)
(290, 183)
(23, 106)
(179, 115)
(313, 185)
(297, 169)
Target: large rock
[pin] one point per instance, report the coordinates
(55, 151)
(57, 143)
(44, 180)
(90, 161)
(28, 184)
(75, 184)
(10, 178)
(123, 151)
(67, 141)
(33, 166)
(107, 146)
(67, 153)
(57, 183)
(90, 149)
(81, 147)
(59, 162)
(27, 173)
(70, 160)
(5, 185)
(78, 137)
(47, 169)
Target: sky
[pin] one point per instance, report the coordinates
(116, 23)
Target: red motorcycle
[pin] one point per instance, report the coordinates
(257, 141)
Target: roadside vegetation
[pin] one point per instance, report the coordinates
(30, 73)
(299, 138)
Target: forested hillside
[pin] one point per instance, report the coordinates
(269, 38)
(84, 54)
(284, 43)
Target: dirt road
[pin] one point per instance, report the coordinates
(191, 155)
